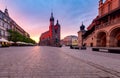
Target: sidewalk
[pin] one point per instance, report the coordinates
(98, 60)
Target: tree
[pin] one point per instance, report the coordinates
(16, 36)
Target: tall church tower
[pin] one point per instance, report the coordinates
(51, 29)
(52, 19)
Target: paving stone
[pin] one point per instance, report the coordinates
(48, 62)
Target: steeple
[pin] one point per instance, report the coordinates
(57, 23)
(6, 12)
(51, 18)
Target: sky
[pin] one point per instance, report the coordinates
(33, 15)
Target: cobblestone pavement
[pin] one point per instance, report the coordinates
(45, 62)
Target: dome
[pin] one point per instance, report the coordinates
(82, 27)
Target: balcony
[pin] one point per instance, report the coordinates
(110, 23)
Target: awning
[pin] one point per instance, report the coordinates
(11, 42)
(3, 40)
(19, 42)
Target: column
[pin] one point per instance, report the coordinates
(107, 41)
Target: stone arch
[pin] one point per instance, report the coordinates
(101, 39)
(115, 37)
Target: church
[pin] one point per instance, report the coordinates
(52, 36)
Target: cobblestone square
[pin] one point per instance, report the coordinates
(49, 62)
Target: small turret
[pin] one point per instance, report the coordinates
(6, 12)
(82, 27)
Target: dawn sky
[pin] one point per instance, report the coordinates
(33, 15)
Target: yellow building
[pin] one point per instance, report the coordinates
(70, 40)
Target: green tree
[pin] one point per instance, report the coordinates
(16, 36)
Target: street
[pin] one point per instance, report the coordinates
(53, 62)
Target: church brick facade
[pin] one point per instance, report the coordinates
(52, 36)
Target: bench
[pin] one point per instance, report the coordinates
(98, 49)
(77, 47)
(114, 50)
(95, 49)
(111, 50)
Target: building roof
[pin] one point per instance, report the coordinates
(94, 22)
(45, 34)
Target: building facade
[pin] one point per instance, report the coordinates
(70, 40)
(104, 31)
(52, 36)
(7, 23)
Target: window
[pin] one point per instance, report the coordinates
(92, 38)
(109, 7)
(0, 33)
(56, 31)
(3, 24)
(101, 13)
(0, 23)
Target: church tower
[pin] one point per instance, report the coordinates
(57, 33)
(52, 19)
(80, 35)
(52, 36)
(51, 27)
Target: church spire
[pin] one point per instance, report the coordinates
(51, 18)
(51, 14)
(57, 23)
